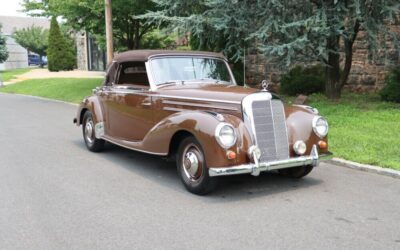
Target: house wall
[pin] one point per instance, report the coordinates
(17, 55)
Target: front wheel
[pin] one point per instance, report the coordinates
(92, 143)
(297, 172)
(192, 167)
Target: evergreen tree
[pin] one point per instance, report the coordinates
(60, 54)
(3, 48)
(288, 30)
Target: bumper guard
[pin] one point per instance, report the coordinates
(257, 167)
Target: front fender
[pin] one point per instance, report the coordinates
(299, 126)
(202, 126)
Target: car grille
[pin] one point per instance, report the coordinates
(270, 130)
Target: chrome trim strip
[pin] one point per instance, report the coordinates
(257, 167)
(197, 99)
(273, 128)
(248, 111)
(175, 109)
(122, 90)
(222, 58)
(99, 130)
(131, 148)
(286, 130)
(153, 86)
(198, 105)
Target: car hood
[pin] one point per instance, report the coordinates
(210, 92)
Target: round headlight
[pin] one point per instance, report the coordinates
(320, 126)
(225, 135)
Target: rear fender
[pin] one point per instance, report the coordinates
(93, 105)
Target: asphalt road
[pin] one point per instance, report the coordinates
(54, 194)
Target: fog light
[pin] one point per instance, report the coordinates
(230, 155)
(299, 147)
(322, 144)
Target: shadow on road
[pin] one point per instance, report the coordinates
(231, 188)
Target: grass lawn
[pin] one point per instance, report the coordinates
(64, 89)
(362, 128)
(10, 74)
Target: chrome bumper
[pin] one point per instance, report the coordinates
(257, 167)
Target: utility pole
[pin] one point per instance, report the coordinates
(109, 32)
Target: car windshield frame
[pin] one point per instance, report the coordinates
(152, 75)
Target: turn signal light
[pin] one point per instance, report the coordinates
(231, 155)
(322, 144)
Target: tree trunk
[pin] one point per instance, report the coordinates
(129, 38)
(333, 86)
(40, 61)
(137, 34)
(348, 50)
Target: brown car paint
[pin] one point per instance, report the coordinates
(174, 109)
(140, 119)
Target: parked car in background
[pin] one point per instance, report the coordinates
(35, 60)
(187, 106)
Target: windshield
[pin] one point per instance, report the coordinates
(190, 70)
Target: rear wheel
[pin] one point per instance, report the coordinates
(192, 167)
(297, 172)
(92, 143)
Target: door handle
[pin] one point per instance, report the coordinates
(146, 104)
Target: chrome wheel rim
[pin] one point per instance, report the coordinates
(192, 162)
(89, 131)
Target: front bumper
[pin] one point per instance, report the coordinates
(257, 167)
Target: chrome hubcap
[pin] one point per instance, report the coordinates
(192, 162)
(89, 131)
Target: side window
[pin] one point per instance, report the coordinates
(133, 73)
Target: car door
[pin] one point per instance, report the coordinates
(128, 104)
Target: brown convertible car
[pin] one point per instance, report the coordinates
(187, 106)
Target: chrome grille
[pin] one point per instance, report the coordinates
(270, 129)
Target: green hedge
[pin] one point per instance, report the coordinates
(300, 80)
(391, 91)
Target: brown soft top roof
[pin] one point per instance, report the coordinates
(144, 55)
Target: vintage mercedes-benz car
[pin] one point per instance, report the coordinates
(187, 106)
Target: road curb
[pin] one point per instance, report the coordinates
(367, 168)
(42, 98)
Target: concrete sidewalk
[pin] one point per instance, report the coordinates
(44, 73)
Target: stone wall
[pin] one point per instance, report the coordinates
(366, 74)
(81, 50)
